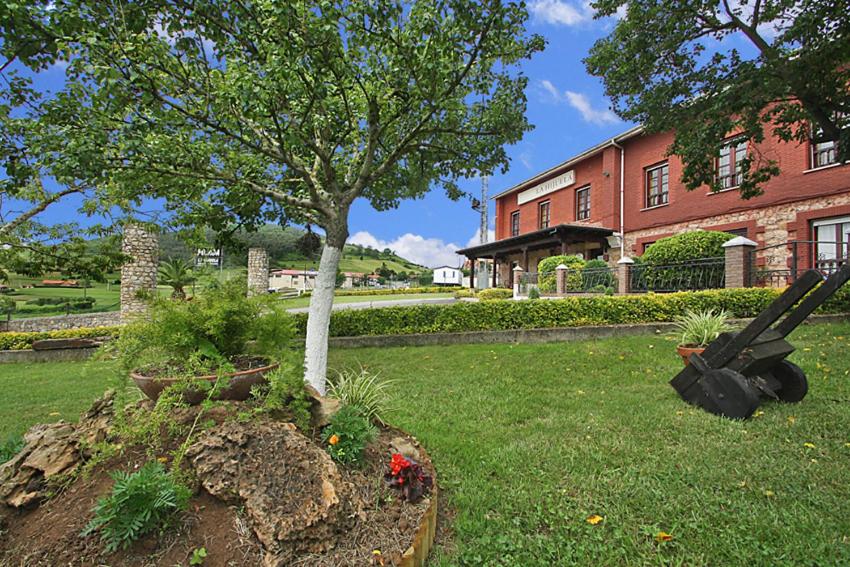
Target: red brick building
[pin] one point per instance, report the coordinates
(627, 186)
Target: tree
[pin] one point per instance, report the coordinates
(229, 109)
(709, 69)
(177, 273)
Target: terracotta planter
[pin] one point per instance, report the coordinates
(239, 389)
(686, 351)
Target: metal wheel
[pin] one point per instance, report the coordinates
(793, 380)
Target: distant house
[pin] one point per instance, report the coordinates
(292, 279)
(353, 279)
(446, 275)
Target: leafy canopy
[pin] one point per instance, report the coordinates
(709, 69)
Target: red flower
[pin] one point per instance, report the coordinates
(398, 463)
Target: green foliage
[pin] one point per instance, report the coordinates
(24, 340)
(140, 503)
(571, 311)
(391, 291)
(534, 293)
(348, 434)
(699, 328)
(363, 390)
(201, 335)
(177, 273)
(678, 66)
(686, 246)
(286, 392)
(10, 447)
(464, 293)
(7, 305)
(199, 554)
(495, 294)
(547, 278)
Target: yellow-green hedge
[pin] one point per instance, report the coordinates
(567, 312)
(389, 291)
(23, 341)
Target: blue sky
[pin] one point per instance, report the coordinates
(568, 110)
(566, 106)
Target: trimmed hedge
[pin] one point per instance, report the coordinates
(495, 294)
(23, 341)
(567, 312)
(686, 247)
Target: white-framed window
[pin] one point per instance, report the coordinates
(825, 153)
(832, 242)
(729, 163)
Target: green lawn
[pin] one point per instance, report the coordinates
(531, 440)
(305, 301)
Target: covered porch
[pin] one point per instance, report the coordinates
(526, 250)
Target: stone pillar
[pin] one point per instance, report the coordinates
(561, 279)
(258, 271)
(517, 277)
(138, 274)
(738, 261)
(624, 279)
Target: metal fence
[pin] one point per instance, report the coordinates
(780, 265)
(693, 275)
(590, 280)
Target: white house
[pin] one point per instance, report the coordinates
(446, 275)
(292, 279)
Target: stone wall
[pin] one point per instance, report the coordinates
(62, 322)
(138, 275)
(258, 271)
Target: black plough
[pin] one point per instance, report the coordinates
(738, 370)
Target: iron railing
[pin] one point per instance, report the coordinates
(780, 265)
(693, 275)
(589, 280)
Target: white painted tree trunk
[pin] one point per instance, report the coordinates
(319, 318)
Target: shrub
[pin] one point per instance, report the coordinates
(495, 294)
(547, 278)
(686, 247)
(140, 502)
(348, 434)
(7, 305)
(464, 293)
(534, 293)
(698, 329)
(204, 334)
(286, 392)
(363, 390)
(391, 291)
(23, 341)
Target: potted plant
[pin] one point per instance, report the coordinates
(696, 330)
(221, 338)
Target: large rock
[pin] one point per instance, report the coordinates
(290, 489)
(51, 450)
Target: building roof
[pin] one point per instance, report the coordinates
(631, 133)
(543, 237)
(449, 267)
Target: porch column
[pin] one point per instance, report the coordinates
(472, 268)
(624, 281)
(561, 279)
(517, 277)
(495, 268)
(738, 252)
(525, 259)
(563, 247)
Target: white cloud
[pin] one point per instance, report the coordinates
(580, 102)
(476, 238)
(431, 252)
(559, 12)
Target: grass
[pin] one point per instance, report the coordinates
(531, 440)
(305, 301)
(352, 263)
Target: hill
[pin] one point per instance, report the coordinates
(282, 245)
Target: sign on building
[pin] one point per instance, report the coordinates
(550, 186)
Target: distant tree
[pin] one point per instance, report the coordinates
(177, 274)
(426, 278)
(340, 278)
(682, 66)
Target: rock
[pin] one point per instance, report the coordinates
(292, 493)
(405, 448)
(322, 408)
(51, 450)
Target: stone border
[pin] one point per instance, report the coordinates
(527, 336)
(423, 541)
(56, 355)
